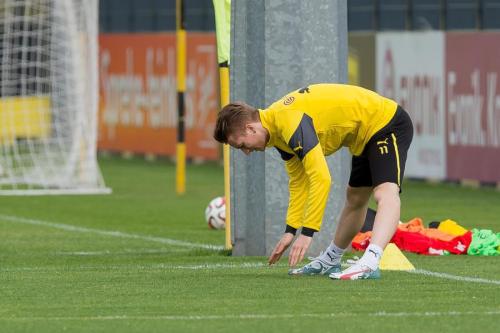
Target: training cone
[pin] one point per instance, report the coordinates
(394, 260)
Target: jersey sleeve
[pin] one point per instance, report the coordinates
(315, 177)
(298, 186)
(320, 181)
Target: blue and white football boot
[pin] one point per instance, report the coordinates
(317, 266)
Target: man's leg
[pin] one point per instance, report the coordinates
(386, 221)
(386, 174)
(353, 215)
(388, 213)
(386, 153)
(351, 220)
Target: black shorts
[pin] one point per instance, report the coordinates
(384, 156)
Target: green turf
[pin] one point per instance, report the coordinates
(54, 279)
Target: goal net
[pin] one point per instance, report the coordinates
(49, 97)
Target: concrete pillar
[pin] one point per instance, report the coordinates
(278, 46)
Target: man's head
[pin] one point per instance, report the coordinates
(238, 124)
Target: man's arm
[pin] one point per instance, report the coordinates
(298, 186)
(304, 142)
(318, 175)
(319, 180)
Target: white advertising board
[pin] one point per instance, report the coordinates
(410, 70)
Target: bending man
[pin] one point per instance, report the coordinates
(305, 126)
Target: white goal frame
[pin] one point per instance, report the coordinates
(49, 97)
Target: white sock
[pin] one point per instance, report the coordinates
(332, 254)
(372, 256)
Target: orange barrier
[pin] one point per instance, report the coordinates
(138, 94)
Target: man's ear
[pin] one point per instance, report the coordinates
(250, 128)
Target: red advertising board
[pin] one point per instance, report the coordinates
(138, 94)
(473, 106)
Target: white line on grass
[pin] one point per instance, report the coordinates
(259, 265)
(454, 277)
(244, 265)
(123, 252)
(68, 227)
(256, 316)
(212, 266)
(224, 266)
(215, 266)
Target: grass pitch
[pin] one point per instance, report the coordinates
(137, 261)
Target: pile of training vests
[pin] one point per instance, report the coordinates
(440, 238)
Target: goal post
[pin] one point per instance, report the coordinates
(49, 97)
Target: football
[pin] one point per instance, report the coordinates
(215, 213)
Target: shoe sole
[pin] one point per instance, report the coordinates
(329, 271)
(372, 276)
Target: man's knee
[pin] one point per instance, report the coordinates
(357, 197)
(386, 192)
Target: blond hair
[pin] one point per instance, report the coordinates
(233, 117)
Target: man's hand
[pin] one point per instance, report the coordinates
(281, 247)
(298, 250)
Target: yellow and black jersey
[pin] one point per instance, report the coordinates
(307, 124)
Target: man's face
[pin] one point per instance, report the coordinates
(248, 140)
